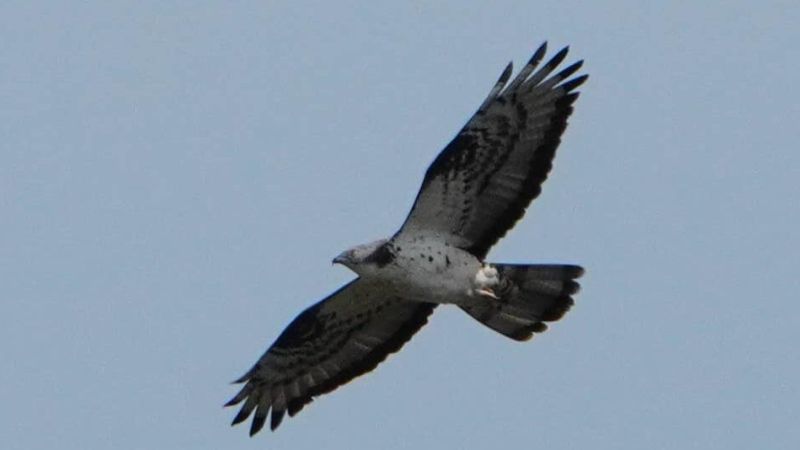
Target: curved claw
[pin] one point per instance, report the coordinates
(487, 293)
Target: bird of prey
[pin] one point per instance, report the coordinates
(472, 194)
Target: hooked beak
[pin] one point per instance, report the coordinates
(343, 258)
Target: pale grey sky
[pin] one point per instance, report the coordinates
(175, 178)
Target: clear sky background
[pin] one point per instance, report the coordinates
(175, 178)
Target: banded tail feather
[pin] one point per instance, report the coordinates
(529, 296)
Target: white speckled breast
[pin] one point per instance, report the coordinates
(429, 270)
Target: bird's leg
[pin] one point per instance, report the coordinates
(485, 280)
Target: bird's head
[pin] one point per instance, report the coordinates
(365, 257)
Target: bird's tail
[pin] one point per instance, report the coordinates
(528, 296)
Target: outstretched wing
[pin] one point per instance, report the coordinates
(343, 336)
(481, 183)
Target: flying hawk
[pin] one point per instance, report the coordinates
(473, 193)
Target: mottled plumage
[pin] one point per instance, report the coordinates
(473, 193)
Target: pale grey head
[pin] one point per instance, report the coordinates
(366, 257)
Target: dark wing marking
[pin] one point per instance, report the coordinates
(480, 184)
(343, 336)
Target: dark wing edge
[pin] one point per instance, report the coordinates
(507, 106)
(322, 349)
(542, 162)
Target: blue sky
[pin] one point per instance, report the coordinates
(175, 178)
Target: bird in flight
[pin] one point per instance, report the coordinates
(472, 194)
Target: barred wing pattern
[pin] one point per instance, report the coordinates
(481, 183)
(343, 336)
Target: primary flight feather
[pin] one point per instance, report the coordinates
(472, 194)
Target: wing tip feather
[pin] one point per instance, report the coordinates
(245, 412)
(540, 52)
(558, 58)
(506, 73)
(276, 418)
(241, 395)
(574, 83)
(257, 424)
